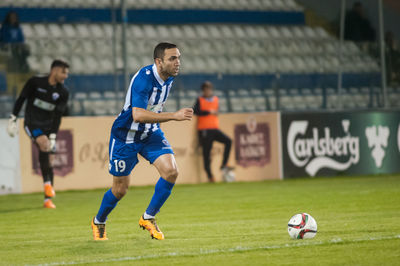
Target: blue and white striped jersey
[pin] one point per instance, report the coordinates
(148, 91)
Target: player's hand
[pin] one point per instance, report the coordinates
(184, 114)
(12, 128)
(52, 139)
(214, 112)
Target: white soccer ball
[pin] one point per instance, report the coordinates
(229, 176)
(302, 226)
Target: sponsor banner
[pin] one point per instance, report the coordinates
(252, 143)
(255, 146)
(82, 158)
(10, 180)
(346, 143)
(63, 160)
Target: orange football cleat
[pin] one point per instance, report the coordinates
(48, 204)
(49, 191)
(151, 226)
(99, 231)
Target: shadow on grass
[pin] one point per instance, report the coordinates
(20, 209)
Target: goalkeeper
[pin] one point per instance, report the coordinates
(46, 99)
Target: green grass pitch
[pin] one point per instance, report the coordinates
(213, 224)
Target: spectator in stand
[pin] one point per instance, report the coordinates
(357, 27)
(12, 37)
(10, 31)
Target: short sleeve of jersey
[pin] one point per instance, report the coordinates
(140, 90)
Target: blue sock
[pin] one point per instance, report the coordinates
(107, 205)
(161, 193)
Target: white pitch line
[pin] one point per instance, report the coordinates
(217, 251)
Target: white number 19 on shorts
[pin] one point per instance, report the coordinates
(120, 165)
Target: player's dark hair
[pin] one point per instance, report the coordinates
(160, 48)
(206, 84)
(7, 19)
(59, 63)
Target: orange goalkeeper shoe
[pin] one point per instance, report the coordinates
(49, 191)
(99, 231)
(151, 226)
(48, 204)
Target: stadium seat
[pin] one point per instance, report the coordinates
(80, 95)
(260, 103)
(34, 64)
(187, 102)
(273, 5)
(171, 105)
(82, 31)
(207, 49)
(286, 103)
(237, 104)
(41, 31)
(223, 104)
(29, 31)
(95, 95)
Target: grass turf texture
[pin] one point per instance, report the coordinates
(228, 224)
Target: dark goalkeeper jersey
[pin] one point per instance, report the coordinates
(45, 103)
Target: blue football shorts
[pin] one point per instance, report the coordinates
(123, 157)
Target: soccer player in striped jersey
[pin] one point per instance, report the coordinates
(137, 130)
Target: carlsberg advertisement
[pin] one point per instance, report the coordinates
(340, 143)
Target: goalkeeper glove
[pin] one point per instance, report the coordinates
(52, 139)
(12, 128)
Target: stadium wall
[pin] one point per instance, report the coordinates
(82, 158)
(267, 145)
(103, 82)
(155, 16)
(10, 175)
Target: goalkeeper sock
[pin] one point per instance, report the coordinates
(44, 162)
(51, 176)
(107, 205)
(162, 191)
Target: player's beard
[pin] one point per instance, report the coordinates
(170, 72)
(174, 71)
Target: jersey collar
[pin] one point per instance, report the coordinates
(158, 78)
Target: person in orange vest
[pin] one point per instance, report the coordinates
(206, 108)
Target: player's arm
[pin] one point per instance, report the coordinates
(12, 128)
(25, 93)
(140, 92)
(197, 111)
(141, 115)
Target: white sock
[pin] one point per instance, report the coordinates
(97, 221)
(47, 183)
(148, 216)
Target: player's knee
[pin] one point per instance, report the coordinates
(171, 174)
(43, 144)
(120, 191)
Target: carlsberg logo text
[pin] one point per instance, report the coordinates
(325, 145)
(321, 150)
